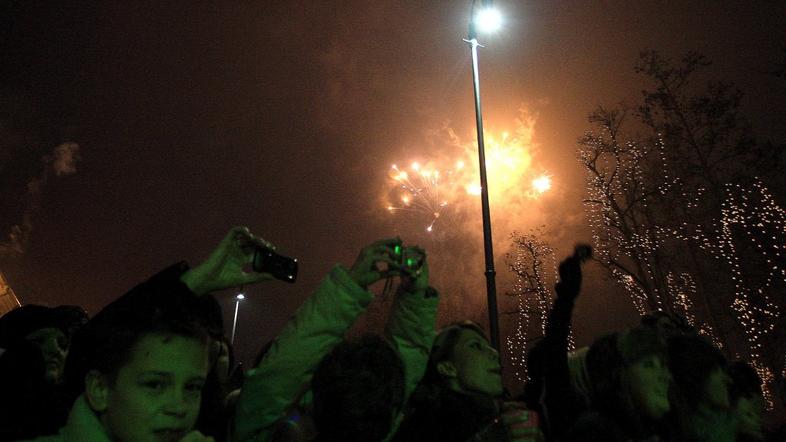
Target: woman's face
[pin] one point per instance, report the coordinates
(648, 380)
(156, 395)
(716, 390)
(53, 344)
(475, 365)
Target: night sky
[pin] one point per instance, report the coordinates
(286, 116)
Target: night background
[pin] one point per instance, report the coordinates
(134, 134)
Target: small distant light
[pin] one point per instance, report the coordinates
(488, 20)
(542, 183)
(240, 297)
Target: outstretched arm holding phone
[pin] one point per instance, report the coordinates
(273, 387)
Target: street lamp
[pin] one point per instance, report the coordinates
(486, 19)
(238, 298)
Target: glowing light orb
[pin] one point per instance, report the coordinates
(542, 183)
(488, 20)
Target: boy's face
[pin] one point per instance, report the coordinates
(156, 395)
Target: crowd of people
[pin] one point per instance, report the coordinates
(155, 365)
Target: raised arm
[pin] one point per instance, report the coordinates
(319, 324)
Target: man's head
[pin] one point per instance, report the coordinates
(358, 390)
(142, 367)
(48, 329)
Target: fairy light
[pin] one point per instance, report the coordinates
(531, 261)
(619, 189)
(745, 232)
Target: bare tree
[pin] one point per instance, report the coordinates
(532, 261)
(679, 219)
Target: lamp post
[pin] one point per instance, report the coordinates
(238, 298)
(487, 19)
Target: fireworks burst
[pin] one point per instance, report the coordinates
(429, 188)
(419, 191)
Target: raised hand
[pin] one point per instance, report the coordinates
(415, 280)
(366, 270)
(224, 268)
(569, 284)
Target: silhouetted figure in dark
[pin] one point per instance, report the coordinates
(560, 403)
(36, 341)
(358, 391)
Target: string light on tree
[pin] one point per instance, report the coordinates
(534, 263)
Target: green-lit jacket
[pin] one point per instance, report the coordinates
(275, 386)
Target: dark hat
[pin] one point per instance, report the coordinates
(22, 321)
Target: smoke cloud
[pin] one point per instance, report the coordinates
(61, 161)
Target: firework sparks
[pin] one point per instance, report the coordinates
(419, 192)
(436, 187)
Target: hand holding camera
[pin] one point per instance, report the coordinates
(376, 261)
(414, 270)
(387, 258)
(226, 266)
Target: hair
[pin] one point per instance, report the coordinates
(437, 412)
(443, 349)
(691, 361)
(106, 342)
(745, 381)
(358, 387)
(607, 362)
